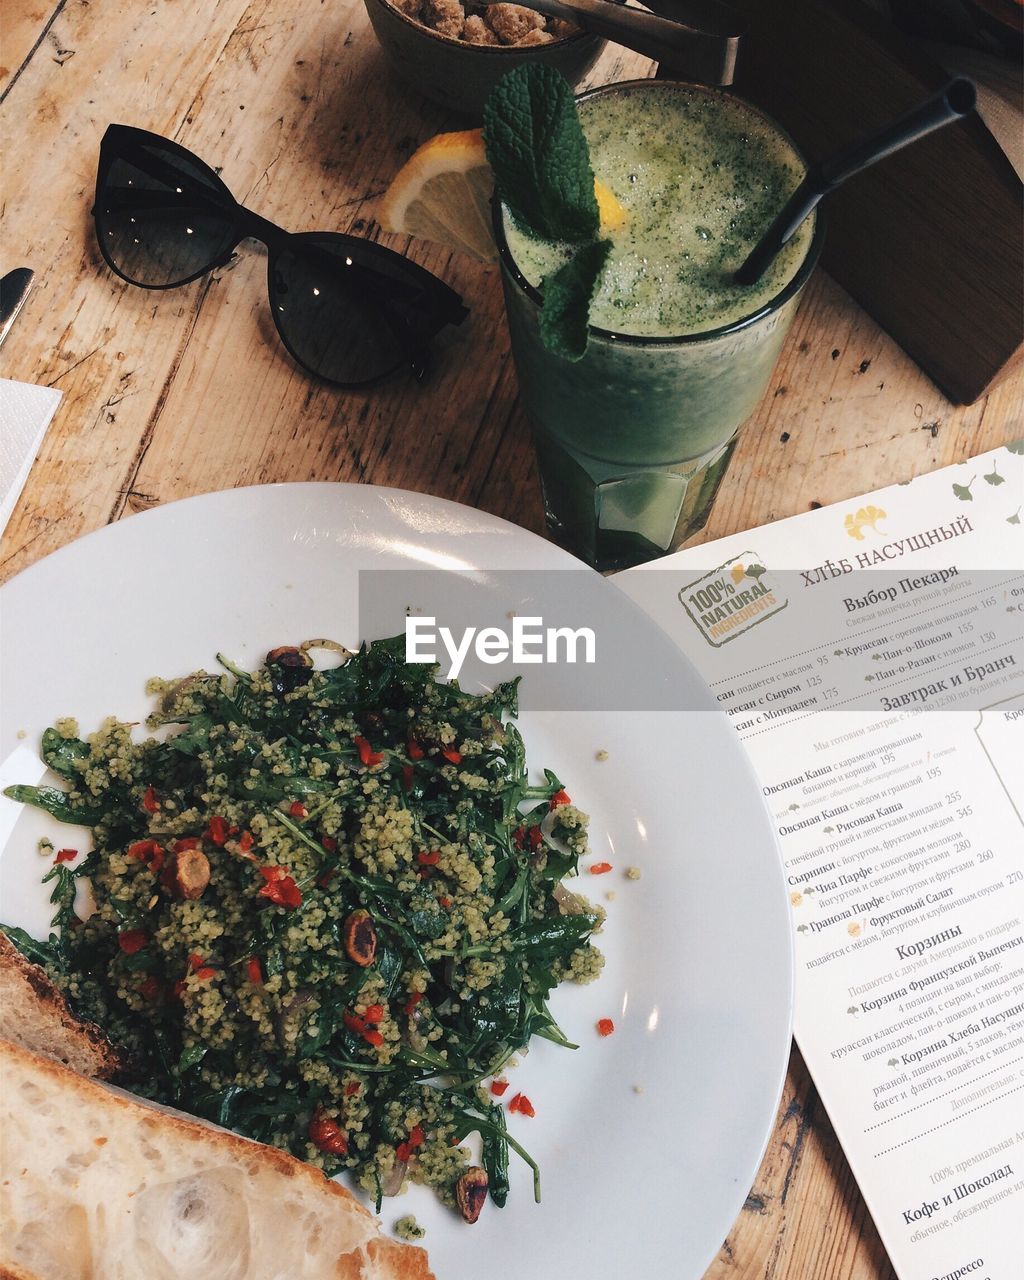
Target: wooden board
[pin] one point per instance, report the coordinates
(172, 394)
(930, 241)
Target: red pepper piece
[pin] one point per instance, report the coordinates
(451, 754)
(65, 855)
(217, 831)
(374, 1037)
(522, 1104)
(605, 1026)
(254, 970)
(414, 998)
(519, 837)
(200, 968)
(535, 838)
(353, 1021)
(413, 750)
(430, 859)
(149, 801)
(367, 755)
(498, 1087)
(445, 903)
(416, 1136)
(600, 868)
(407, 777)
(298, 810)
(329, 843)
(402, 1152)
(132, 940)
(280, 887)
(352, 1088)
(374, 1013)
(184, 844)
(326, 1135)
(149, 852)
(149, 988)
(559, 798)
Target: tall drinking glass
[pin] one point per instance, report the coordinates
(633, 440)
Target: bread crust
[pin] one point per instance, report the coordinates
(34, 1013)
(123, 1148)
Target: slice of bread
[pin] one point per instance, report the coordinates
(33, 1013)
(97, 1183)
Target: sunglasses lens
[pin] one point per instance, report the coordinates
(161, 220)
(348, 312)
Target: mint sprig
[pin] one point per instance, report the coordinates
(541, 163)
(539, 156)
(567, 294)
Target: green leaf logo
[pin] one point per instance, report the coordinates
(993, 477)
(1015, 518)
(755, 571)
(963, 491)
(1016, 446)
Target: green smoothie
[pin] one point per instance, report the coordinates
(634, 439)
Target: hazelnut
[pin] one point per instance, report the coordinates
(471, 1192)
(360, 938)
(290, 668)
(191, 873)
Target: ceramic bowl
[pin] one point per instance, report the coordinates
(459, 75)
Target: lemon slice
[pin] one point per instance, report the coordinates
(443, 193)
(613, 214)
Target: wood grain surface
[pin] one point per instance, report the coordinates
(181, 392)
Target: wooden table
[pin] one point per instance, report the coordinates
(172, 394)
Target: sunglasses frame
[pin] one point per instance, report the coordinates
(416, 287)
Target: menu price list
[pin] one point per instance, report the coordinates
(883, 711)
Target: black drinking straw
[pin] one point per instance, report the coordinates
(951, 103)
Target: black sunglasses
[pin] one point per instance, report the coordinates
(348, 310)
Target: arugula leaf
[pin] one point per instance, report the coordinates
(190, 1057)
(61, 753)
(31, 948)
(56, 804)
(539, 156)
(567, 294)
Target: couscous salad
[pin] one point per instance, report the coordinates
(328, 909)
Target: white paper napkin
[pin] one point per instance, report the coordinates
(25, 413)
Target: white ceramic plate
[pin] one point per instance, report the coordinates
(648, 1140)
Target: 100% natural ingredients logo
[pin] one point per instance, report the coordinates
(731, 599)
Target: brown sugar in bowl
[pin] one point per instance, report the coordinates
(460, 75)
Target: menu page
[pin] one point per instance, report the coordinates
(871, 657)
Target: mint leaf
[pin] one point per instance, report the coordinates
(539, 156)
(567, 294)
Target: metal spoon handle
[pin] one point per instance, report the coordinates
(707, 55)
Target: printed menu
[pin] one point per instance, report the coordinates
(871, 657)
